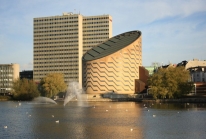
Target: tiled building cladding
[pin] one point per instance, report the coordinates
(113, 65)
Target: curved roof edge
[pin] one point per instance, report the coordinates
(111, 45)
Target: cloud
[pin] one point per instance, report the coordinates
(168, 27)
(27, 66)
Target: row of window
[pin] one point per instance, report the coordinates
(96, 38)
(41, 43)
(38, 26)
(102, 22)
(67, 22)
(95, 34)
(48, 67)
(6, 79)
(55, 50)
(46, 70)
(6, 74)
(95, 18)
(3, 68)
(59, 46)
(89, 46)
(72, 61)
(59, 34)
(53, 19)
(55, 54)
(65, 51)
(6, 84)
(74, 70)
(99, 26)
(53, 23)
(66, 18)
(57, 61)
(96, 30)
(51, 58)
(9, 70)
(72, 64)
(66, 75)
(62, 30)
(96, 42)
(49, 27)
(75, 37)
(71, 68)
(60, 38)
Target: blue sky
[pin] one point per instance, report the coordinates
(172, 30)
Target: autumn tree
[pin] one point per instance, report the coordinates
(52, 84)
(170, 83)
(24, 89)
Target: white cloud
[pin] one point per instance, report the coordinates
(27, 66)
(167, 26)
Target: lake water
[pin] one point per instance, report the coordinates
(102, 120)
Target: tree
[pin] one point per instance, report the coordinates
(24, 89)
(52, 84)
(170, 82)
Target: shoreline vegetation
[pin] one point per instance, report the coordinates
(186, 99)
(180, 100)
(5, 98)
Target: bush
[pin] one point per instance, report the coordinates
(25, 89)
(52, 84)
(170, 83)
(5, 97)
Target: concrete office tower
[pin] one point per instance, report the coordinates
(8, 73)
(113, 65)
(96, 29)
(60, 41)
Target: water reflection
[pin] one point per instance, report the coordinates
(175, 106)
(175, 120)
(103, 120)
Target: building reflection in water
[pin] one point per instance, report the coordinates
(98, 120)
(102, 120)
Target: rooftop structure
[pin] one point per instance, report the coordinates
(27, 74)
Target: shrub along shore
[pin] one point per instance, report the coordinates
(5, 98)
(190, 99)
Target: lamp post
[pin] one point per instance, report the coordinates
(195, 88)
(147, 91)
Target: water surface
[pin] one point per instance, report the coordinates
(102, 120)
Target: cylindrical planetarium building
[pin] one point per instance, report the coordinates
(113, 65)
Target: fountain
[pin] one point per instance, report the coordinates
(74, 90)
(44, 100)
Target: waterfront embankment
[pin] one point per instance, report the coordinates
(182, 100)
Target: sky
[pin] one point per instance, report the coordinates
(172, 30)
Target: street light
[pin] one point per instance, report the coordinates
(195, 88)
(148, 90)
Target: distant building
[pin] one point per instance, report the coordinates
(28, 74)
(8, 73)
(151, 69)
(113, 66)
(197, 69)
(61, 41)
(141, 83)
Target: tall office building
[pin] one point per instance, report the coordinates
(61, 41)
(8, 73)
